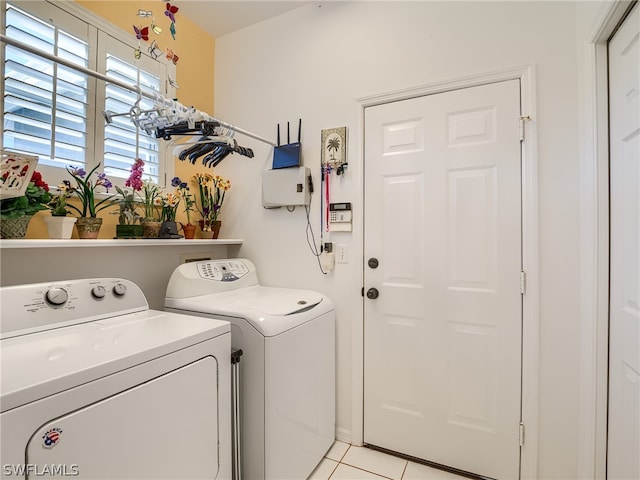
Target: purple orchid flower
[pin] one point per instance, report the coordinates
(78, 172)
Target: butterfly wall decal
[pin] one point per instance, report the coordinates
(171, 11)
(142, 33)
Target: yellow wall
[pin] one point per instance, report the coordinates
(194, 46)
(194, 74)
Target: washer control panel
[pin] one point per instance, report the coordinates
(43, 306)
(223, 270)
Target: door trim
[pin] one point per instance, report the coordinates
(530, 251)
(594, 340)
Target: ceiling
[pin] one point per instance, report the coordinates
(218, 18)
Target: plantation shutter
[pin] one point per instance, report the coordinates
(46, 104)
(123, 142)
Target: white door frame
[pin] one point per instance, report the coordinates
(530, 256)
(594, 337)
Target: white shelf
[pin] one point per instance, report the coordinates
(142, 242)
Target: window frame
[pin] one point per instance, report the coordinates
(96, 26)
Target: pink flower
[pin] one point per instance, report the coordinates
(135, 179)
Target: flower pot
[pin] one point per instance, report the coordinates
(215, 229)
(88, 227)
(129, 231)
(60, 227)
(151, 229)
(189, 230)
(14, 227)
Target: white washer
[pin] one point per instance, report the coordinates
(287, 368)
(95, 385)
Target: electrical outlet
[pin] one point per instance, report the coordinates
(342, 253)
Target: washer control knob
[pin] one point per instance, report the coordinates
(56, 296)
(98, 291)
(119, 289)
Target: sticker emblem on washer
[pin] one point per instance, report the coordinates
(51, 438)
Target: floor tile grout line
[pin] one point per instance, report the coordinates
(376, 473)
(339, 462)
(362, 470)
(334, 470)
(406, 465)
(343, 455)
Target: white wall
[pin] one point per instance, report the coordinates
(316, 61)
(148, 266)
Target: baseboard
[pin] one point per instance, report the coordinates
(343, 435)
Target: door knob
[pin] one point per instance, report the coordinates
(373, 262)
(373, 293)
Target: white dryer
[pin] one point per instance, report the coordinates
(95, 385)
(287, 368)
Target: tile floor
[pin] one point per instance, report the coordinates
(347, 462)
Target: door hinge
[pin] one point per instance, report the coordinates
(521, 434)
(523, 282)
(522, 119)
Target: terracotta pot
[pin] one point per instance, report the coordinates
(60, 227)
(14, 227)
(189, 230)
(215, 228)
(88, 227)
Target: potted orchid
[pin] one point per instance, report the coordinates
(146, 195)
(189, 206)
(129, 220)
(212, 191)
(59, 225)
(170, 203)
(152, 202)
(88, 224)
(169, 227)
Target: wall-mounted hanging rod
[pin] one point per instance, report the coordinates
(134, 88)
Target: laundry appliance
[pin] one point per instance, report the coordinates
(287, 369)
(95, 385)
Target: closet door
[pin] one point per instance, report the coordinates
(624, 314)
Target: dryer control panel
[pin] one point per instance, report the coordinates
(223, 270)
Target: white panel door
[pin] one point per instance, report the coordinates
(443, 220)
(624, 316)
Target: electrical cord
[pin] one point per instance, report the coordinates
(311, 238)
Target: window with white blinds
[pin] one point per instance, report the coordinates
(45, 104)
(122, 140)
(53, 111)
